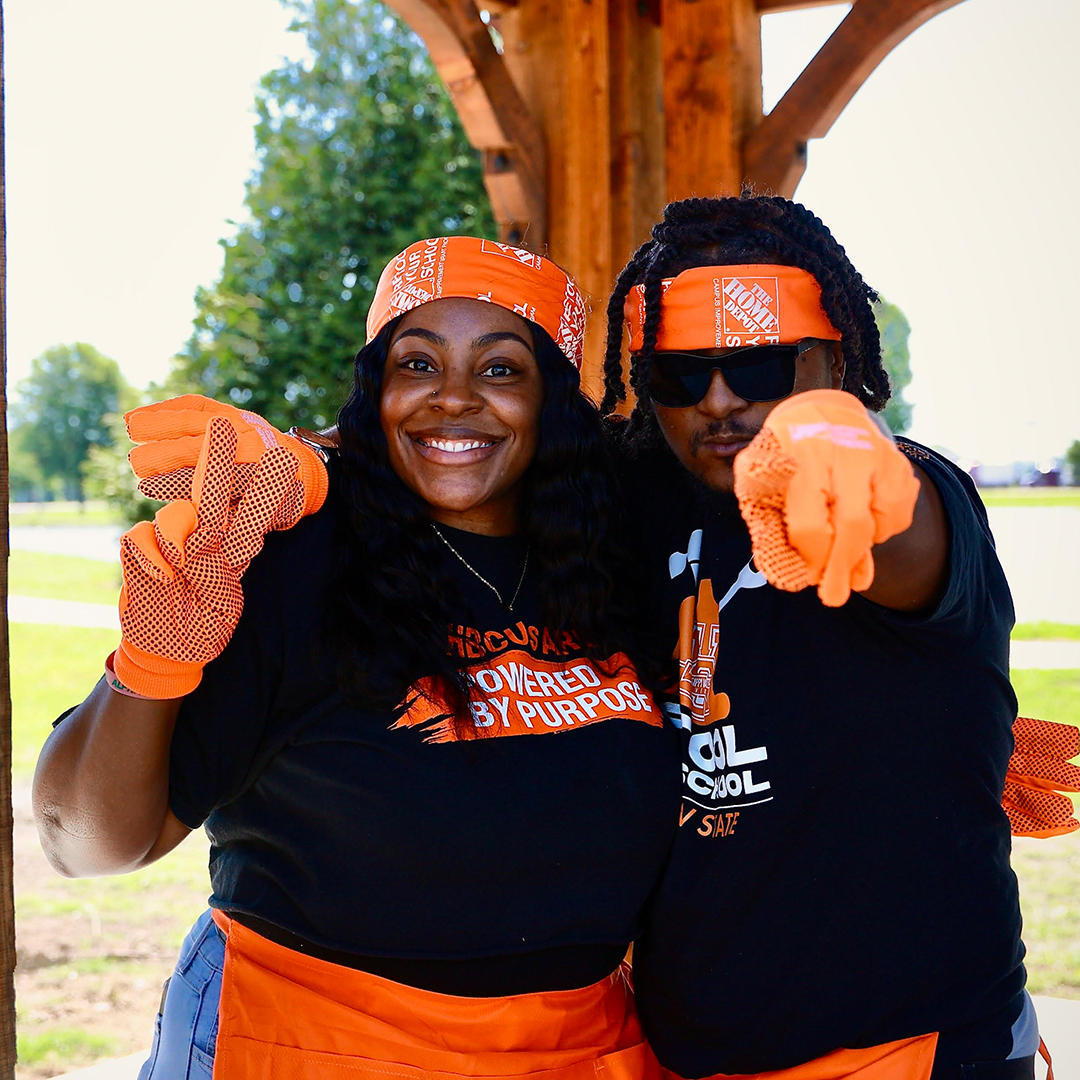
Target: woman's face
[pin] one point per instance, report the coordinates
(460, 408)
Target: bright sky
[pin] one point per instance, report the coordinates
(949, 179)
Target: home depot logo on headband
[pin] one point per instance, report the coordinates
(732, 307)
(526, 258)
(751, 307)
(474, 269)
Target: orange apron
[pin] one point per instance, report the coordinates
(287, 1016)
(905, 1059)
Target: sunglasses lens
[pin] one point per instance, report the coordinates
(678, 380)
(764, 373)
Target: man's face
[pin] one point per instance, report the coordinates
(707, 436)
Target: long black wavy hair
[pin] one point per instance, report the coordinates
(393, 600)
(742, 229)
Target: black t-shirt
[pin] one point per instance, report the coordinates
(480, 866)
(840, 876)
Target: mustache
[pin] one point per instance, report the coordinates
(721, 429)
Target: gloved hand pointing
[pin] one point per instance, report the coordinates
(819, 486)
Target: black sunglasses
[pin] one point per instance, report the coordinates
(756, 373)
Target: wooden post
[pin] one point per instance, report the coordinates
(7, 888)
(637, 124)
(712, 93)
(558, 53)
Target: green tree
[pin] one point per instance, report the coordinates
(895, 329)
(107, 475)
(62, 408)
(26, 481)
(361, 153)
(1072, 459)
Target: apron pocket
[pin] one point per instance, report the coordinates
(267, 1061)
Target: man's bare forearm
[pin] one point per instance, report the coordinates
(910, 568)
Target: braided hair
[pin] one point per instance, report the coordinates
(730, 231)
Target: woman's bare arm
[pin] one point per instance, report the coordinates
(102, 785)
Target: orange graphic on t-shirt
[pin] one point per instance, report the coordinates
(699, 642)
(517, 694)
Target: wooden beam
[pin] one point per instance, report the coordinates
(775, 7)
(7, 885)
(775, 153)
(712, 92)
(496, 118)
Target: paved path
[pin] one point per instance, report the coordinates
(126, 1068)
(37, 609)
(1045, 654)
(1059, 1023)
(1037, 546)
(97, 542)
(34, 609)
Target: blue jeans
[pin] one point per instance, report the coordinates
(185, 1031)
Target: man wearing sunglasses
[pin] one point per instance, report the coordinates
(839, 901)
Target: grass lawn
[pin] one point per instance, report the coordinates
(1030, 496)
(56, 1048)
(1049, 870)
(93, 952)
(1049, 876)
(52, 668)
(1046, 631)
(63, 577)
(1049, 695)
(91, 512)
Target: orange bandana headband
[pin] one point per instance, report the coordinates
(466, 266)
(730, 307)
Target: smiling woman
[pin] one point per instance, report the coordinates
(390, 875)
(461, 400)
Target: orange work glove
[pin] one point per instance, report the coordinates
(820, 485)
(1039, 770)
(171, 433)
(181, 597)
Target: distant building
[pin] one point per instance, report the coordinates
(1047, 473)
(993, 475)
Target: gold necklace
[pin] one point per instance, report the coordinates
(476, 573)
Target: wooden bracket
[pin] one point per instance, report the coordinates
(774, 155)
(774, 7)
(496, 118)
